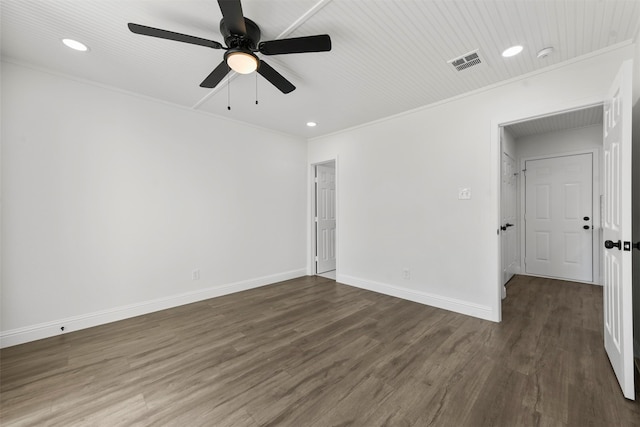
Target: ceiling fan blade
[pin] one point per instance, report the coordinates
(170, 35)
(216, 76)
(275, 78)
(321, 43)
(233, 17)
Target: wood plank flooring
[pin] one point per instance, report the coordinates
(310, 352)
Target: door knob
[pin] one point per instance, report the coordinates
(508, 225)
(609, 244)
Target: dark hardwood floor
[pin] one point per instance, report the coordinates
(310, 352)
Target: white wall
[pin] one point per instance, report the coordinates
(111, 200)
(560, 142)
(509, 143)
(398, 185)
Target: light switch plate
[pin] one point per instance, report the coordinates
(464, 193)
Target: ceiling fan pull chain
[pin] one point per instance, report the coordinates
(228, 94)
(256, 88)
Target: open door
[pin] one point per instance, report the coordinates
(325, 218)
(508, 208)
(618, 319)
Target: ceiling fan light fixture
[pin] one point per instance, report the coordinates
(241, 61)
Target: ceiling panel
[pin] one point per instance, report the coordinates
(558, 122)
(388, 56)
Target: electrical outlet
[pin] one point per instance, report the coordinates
(195, 274)
(406, 274)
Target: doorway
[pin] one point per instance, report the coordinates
(324, 219)
(531, 143)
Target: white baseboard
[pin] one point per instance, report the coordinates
(446, 303)
(70, 324)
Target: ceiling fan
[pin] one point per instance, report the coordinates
(242, 39)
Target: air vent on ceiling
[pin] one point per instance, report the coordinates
(466, 61)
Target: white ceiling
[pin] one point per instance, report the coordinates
(388, 56)
(558, 122)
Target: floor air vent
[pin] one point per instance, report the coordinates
(466, 61)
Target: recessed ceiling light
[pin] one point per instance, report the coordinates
(312, 124)
(512, 51)
(75, 45)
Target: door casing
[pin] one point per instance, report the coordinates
(496, 178)
(509, 236)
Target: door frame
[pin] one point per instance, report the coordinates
(517, 221)
(311, 223)
(497, 123)
(595, 209)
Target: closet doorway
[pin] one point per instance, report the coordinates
(324, 219)
(558, 186)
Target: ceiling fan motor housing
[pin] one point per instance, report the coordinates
(243, 41)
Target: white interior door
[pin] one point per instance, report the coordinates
(509, 234)
(618, 321)
(325, 218)
(559, 217)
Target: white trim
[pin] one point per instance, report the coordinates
(562, 278)
(495, 155)
(433, 300)
(88, 320)
(304, 18)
